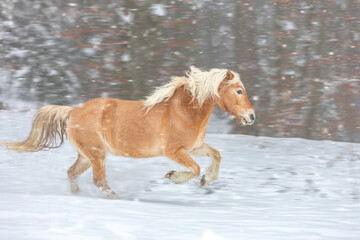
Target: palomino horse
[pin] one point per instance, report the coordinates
(171, 122)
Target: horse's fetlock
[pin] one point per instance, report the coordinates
(170, 174)
(74, 188)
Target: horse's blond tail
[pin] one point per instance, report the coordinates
(47, 132)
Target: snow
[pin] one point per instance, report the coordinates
(126, 57)
(125, 16)
(15, 52)
(22, 71)
(287, 25)
(159, 10)
(268, 188)
(89, 51)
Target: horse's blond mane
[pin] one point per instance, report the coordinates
(201, 84)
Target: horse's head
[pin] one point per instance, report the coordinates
(234, 100)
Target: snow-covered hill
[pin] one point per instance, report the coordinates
(268, 188)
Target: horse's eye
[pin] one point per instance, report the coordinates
(239, 92)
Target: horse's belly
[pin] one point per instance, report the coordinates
(138, 149)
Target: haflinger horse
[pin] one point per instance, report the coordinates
(171, 122)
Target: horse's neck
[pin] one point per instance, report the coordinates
(204, 113)
(183, 104)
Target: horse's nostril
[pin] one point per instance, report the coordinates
(252, 117)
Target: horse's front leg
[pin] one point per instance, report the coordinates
(182, 157)
(212, 172)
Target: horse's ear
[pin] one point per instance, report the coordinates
(229, 75)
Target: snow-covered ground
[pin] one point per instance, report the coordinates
(268, 188)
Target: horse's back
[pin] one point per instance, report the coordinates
(122, 125)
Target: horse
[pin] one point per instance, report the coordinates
(171, 122)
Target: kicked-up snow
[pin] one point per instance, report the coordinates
(268, 188)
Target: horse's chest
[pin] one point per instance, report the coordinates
(199, 140)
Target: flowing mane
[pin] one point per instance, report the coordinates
(201, 85)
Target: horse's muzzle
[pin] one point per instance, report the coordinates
(248, 119)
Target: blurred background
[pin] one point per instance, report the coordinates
(299, 59)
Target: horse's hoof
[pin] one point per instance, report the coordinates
(169, 174)
(202, 181)
(112, 195)
(75, 189)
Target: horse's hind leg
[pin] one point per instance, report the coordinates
(91, 146)
(182, 157)
(74, 172)
(96, 156)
